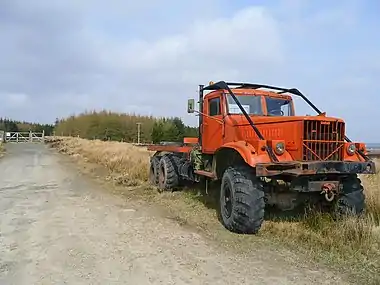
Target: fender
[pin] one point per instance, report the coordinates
(251, 155)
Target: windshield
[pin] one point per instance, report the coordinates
(278, 107)
(250, 103)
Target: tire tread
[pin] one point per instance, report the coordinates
(248, 206)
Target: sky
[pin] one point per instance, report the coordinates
(62, 57)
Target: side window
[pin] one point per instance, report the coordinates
(214, 106)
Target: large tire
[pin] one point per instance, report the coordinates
(168, 172)
(154, 170)
(352, 200)
(241, 201)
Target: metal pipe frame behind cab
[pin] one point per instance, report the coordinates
(200, 119)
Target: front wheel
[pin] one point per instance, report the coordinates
(241, 204)
(352, 200)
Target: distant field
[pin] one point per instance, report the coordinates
(373, 145)
(373, 150)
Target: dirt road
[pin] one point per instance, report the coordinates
(59, 228)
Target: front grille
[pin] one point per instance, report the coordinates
(323, 140)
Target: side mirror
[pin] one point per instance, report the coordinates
(190, 106)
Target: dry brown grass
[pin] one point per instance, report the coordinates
(2, 149)
(353, 245)
(372, 186)
(123, 161)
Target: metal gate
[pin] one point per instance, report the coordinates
(19, 137)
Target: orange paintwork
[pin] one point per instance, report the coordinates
(253, 155)
(356, 156)
(234, 131)
(169, 148)
(190, 140)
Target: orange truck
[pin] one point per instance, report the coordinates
(261, 153)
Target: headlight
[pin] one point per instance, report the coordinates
(280, 148)
(351, 148)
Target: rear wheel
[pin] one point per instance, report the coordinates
(154, 170)
(168, 178)
(241, 201)
(352, 200)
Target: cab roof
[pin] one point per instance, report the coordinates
(223, 85)
(246, 91)
(237, 86)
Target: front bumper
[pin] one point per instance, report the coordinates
(298, 168)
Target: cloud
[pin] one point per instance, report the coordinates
(149, 57)
(15, 100)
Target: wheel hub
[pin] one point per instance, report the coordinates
(152, 174)
(227, 201)
(162, 176)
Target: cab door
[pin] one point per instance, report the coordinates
(212, 127)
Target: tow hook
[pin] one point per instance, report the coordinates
(328, 189)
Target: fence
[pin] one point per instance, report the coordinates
(20, 137)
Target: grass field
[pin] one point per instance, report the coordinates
(352, 245)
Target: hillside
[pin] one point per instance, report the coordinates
(106, 125)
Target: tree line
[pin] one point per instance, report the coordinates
(8, 125)
(106, 125)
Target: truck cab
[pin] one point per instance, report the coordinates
(256, 103)
(221, 115)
